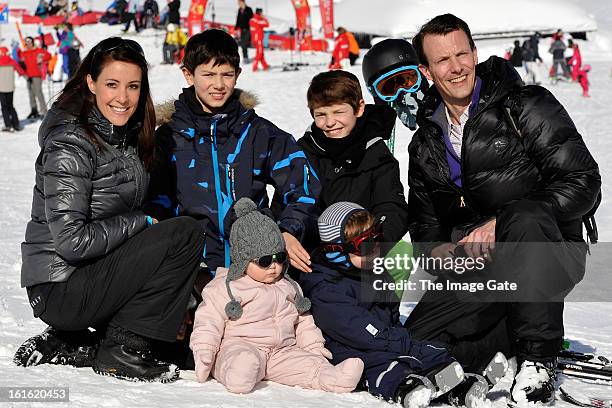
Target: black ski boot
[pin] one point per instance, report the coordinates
(75, 348)
(471, 393)
(128, 356)
(418, 391)
(535, 382)
(33, 115)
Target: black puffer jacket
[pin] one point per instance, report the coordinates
(549, 163)
(364, 172)
(86, 200)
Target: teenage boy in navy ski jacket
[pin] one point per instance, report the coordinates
(214, 149)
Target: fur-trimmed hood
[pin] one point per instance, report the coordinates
(164, 111)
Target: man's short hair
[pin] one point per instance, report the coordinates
(333, 88)
(440, 25)
(211, 45)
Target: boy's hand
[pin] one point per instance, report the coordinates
(298, 256)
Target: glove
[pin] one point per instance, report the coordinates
(203, 363)
(319, 349)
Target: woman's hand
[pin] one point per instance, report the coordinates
(481, 241)
(298, 256)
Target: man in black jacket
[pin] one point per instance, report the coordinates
(495, 165)
(245, 13)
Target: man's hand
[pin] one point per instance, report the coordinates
(481, 241)
(298, 256)
(444, 251)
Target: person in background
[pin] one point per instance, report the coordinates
(535, 46)
(174, 12)
(583, 80)
(341, 50)
(74, 58)
(42, 9)
(257, 25)
(353, 45)
(575, 61)
(131, 11)
(243, 19)
(75, 10)
(35, 60)
(517, 54)
(531, 66)
(557, 49)
(8, 67)
(173, 43)
(150, 14)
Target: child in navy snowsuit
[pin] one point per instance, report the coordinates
(214, 149)
(356, 323)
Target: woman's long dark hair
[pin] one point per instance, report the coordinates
(77, 96)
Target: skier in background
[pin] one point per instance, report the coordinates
(257, 25)
(557, 49)
(353, 50)
(173, 43)
(531, 66)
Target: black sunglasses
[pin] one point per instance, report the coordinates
(114, 43)
(266, 260)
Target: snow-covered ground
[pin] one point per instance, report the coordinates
(283, 100)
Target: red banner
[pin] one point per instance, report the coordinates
(327, 18)
(195, 18)
(302, 17)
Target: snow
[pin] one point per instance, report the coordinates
(283, 101)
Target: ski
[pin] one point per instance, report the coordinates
(584, 400)
(586, 375)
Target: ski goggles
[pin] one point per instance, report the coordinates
(267, 260)
(391, 84)
(365, 240)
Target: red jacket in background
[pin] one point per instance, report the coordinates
(6, 61)
(341, 50)
(257, 24)
(34, 60)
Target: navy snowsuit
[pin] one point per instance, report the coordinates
(354, 326)
(205, 163)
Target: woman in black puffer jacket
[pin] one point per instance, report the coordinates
(91, 257)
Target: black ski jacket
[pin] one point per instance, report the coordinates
(86, 199)
(549, 162)
(365, 173)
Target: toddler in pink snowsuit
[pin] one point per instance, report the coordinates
(253, 324)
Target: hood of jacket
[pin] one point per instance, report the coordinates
(374, 125)
(498, 76)
(164, 111)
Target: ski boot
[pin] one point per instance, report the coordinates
(75, 348)
(418, 391)
(496, 369)
(535, 382)
(128, 356)
(471, 393)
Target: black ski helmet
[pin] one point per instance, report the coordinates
(385, 56)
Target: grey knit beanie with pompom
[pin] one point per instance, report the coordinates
(254, 235)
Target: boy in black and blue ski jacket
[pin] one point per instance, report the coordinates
(213, 149)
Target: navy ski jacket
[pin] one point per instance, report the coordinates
(205, 163)
(355, 323)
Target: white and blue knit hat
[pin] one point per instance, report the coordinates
(334, 219)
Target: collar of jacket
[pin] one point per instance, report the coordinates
(187, 113)
(376, 124)
(113, 135)
(498, 79)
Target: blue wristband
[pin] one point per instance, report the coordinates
(149, 220)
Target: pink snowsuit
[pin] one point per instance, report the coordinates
(270, 341)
